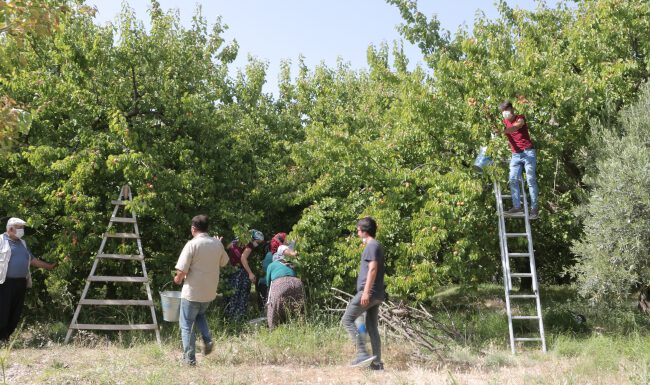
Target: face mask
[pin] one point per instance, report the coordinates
(20, 233)
(506, 114)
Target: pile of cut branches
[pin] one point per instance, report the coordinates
(417, 326)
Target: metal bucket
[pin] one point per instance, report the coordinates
(482, 160)
(171, 305)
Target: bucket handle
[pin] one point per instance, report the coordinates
(165, 285)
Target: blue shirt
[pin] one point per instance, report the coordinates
(20, 257)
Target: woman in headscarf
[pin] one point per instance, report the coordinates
(284, 251)
(286, 292)
(277, 241)
(262, 287)
(235, 305)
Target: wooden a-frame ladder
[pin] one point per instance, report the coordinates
(124, 197)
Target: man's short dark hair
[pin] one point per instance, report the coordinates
(200, 222)
(505, 105)
(368, 225)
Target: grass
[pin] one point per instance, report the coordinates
(607, 354)
(5, 352)
(300, 344)
(611, 347)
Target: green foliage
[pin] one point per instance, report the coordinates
(399, 145)
(615, 249)
(156, 108)
(15, 122)
(153, 108)
(372, 147)
(23, 20)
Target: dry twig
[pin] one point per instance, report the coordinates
(415, 325)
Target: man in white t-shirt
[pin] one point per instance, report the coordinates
(198, 270)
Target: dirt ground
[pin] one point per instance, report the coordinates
(151, 364)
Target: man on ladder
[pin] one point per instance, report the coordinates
(523, 155)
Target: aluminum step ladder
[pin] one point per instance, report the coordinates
(508, 275)
(122, 200)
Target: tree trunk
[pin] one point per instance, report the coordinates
(644, 299)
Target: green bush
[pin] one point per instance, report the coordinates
(614, 253)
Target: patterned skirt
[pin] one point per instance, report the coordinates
(236, 305)
(286, 298)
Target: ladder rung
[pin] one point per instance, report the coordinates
(114, 327)
(521, 275)
(119, 202)
(129, 302)
(523, 296)
(503, 196)
(525, 317)
(528, 339)
(122, 235)
(518, 254)
(517, 215)
(513, 235)
(122, 220)
(105, 278)
(132, 257)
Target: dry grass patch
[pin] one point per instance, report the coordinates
(247, 359)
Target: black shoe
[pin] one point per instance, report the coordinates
(376, 366)
(207, 348)
(514, 210)
(534, 213)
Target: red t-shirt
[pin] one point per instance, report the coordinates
(235, 252)
(520, 139)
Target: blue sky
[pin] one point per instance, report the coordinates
(322, 31)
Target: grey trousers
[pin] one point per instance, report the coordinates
(354, 310)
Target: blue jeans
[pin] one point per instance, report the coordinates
(527, 161)
(193, 313)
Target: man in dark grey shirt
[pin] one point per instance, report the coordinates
(370, 294)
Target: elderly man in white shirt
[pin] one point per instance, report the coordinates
(15, 277)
